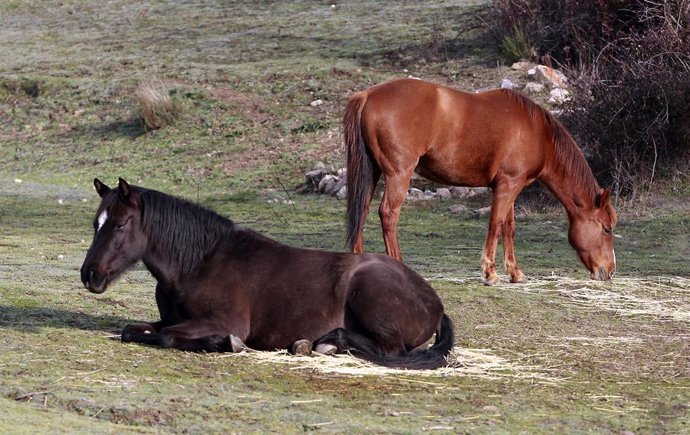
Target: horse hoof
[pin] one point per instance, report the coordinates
(301, 347)
(326, 349)
(236, 344)
(491, 280)
(518, 278)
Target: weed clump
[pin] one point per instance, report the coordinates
(25, 86)
(155, 107)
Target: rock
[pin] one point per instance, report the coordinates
(558, 96)
(314, 177)
(340, 183)
(319, 166)
(316, 103)
(533, 88)
(550, 76)
(327, 183)
(508, 84)
(480, 191)
(521, 65)
(342, 193)
(415, 194)
(460, 191)
(482, 212)
(457, 208)
(443, 193)
(532, 73)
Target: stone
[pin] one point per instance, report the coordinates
(508, 84)
(459, 191)
(443, 193)
(342, 193)
(521, 65)
(480, 191)
(316, 103)
(550, 76)
(339, 184)
(327, 183)
(558, 96)
(415, 194)
(482, 212)
(533, 88)
(319, 166)
(457, 208)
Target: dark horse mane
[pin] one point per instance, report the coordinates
(568, 155)
(185, 231)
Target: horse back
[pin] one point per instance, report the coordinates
(454, 137)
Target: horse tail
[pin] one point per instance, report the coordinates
(360, 168)
(421, 359)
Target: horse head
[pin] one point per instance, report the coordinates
(591, 234)
(119, 241)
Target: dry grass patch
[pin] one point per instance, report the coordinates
(155, 107)
(475, 363)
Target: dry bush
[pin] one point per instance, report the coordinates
(629, 62)
(155, 107)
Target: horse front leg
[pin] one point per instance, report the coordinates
(504, 196)
(389, 212)
(509, 261)
(144, 333)
(204, 335)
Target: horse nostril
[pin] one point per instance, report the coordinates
(89, 279)
(603, 276)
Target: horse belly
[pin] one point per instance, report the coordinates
(453, 175)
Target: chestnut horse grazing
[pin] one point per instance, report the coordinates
(496, 138)
(221, 286)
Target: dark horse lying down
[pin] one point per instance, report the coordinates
(219, 283)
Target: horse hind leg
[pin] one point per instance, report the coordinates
(389, 211)
(341, 340)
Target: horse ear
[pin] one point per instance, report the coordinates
(124, 189)
(101, 188)
(603, 198)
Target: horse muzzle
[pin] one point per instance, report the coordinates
(93, 282)
(601, 274)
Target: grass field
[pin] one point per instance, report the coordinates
(559, 354)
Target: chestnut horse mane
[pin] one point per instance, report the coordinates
(569, 157)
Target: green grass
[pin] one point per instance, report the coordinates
(576, 356)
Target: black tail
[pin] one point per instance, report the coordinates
(360, 168)
(425, 359)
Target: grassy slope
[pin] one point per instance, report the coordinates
(246, 73)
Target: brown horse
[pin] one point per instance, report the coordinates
(496, 138)
(220, 286)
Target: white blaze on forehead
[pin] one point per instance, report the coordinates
(102, 218)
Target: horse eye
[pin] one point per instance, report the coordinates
(607, 230)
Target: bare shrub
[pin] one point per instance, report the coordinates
(629, 62)
(155, 107)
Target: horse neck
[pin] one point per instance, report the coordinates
(570, 179)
